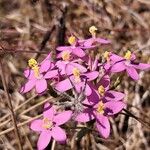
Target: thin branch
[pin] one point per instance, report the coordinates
(10, 107)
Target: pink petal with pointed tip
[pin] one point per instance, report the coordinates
(116, 58)
(36, 125)
(45, 66)
(85, 116)
(142, 66)
(118, 67)
(102, 41)
(91, 75)
(88, 42)
(44, 139)
(114, 107)
(41, 85)
(28, 86)
(49, 111)
(103, 125)
(62, 117)
(78, 52)
(28, 73)
(51, 74)
(58, 134)
(114, 95)
(132, 73)
(63, 86)
(62, 48)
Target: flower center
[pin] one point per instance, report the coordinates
(72, 40)
(128, 55)
(65, 56)
(101, 107)
(93, 30)
(32, 62)
(101, 90)
(34, 66)
(107, 56)
(47, 124)
(76, 73)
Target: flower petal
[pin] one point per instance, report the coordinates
(91, 75)
(103, 125)
(28, 86)
(62, 117)
(41, 85)
(63, 86)
(118, 67)
(62, 48)
(36, 125)
(132, 73)
(141, 66)
(114, 107)
(44, 139)
(115, 58)
(51, 74)
(105, 82)
(114, 95)
(70, 66)
(44, 66)
(94, 97)
(58, 134)
(102, 41)
(78, 52)
(28, 73)
(85, 116)
(49, 111)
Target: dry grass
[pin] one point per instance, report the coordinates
(24, 24)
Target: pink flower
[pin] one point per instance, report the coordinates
(128, 63)
(78, 80)
(93, 41)
(101, 91)
(100, 111)
(48, 127)
(37, 77)
(66, 67)
(72, 49)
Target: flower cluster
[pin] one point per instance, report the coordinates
(85, 80)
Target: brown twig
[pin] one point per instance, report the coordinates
(10, 107)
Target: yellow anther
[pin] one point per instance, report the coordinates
(36, 70)
(32, 62)
(128, 55)
(65, 55)
(101, 90)
(107, 55)
(72, 40)
(93, 30)
(76, 73)
(47, 124)
(101, 107)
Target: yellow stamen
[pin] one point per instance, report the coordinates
(101, 90)
(65, 56)
(101, 107)
(93, 30)
(47, 124)
(128, 55)
(107, 55)
(76, 73)
(36, 70)
(72, 40)
(32, 62)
